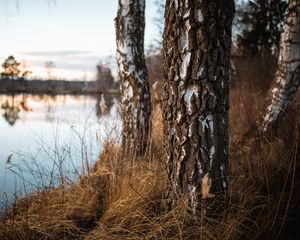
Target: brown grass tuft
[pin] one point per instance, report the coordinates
(121, 198)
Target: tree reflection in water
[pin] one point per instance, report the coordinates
(48, 106)
(103, 104)
(12, 108)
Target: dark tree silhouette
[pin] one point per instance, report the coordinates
(262, 22)
(104, 78)
(49, 65)
(11, 68)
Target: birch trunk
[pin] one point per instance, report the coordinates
(287, 77)
(136, 105)
(197, 43)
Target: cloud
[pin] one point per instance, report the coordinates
(56, 53)
(68, 63)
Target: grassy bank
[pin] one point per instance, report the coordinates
(121, 198)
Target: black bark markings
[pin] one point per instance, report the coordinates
(136, 104)
(197, 40)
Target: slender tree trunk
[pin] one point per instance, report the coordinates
(136, 105)
(287, 77)
(197, 43)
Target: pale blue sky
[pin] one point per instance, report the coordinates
(75, 34)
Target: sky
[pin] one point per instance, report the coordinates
(74, 34)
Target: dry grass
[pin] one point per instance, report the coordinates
(57, 213)
(121, 198)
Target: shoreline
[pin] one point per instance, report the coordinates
(19, 86)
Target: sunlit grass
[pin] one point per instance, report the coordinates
(121, 199)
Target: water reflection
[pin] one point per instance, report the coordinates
(39, 131)
(15, 105)
(103, 104)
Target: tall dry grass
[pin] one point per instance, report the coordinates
(121, 197)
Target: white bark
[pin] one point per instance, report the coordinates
(287, 76)
(136, 105)
(197, 42)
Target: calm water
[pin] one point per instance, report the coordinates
(42, 137)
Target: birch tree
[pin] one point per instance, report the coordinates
(136, 107)
(287, 77)
(197, 43)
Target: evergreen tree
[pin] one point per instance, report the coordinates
(10, 68)
(261, 22)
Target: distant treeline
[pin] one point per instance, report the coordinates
(50, 86)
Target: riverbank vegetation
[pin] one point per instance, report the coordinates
(171, 178)
(121, 198)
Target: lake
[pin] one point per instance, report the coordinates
(44, 137)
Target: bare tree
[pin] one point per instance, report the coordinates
(104, 78)
(49, 65)
(136, 106)
(197, 42)
(25, 72)
(287, 77)
(156, 43)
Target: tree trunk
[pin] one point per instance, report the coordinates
(287, 77)
(136, 105)
(197, 43)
